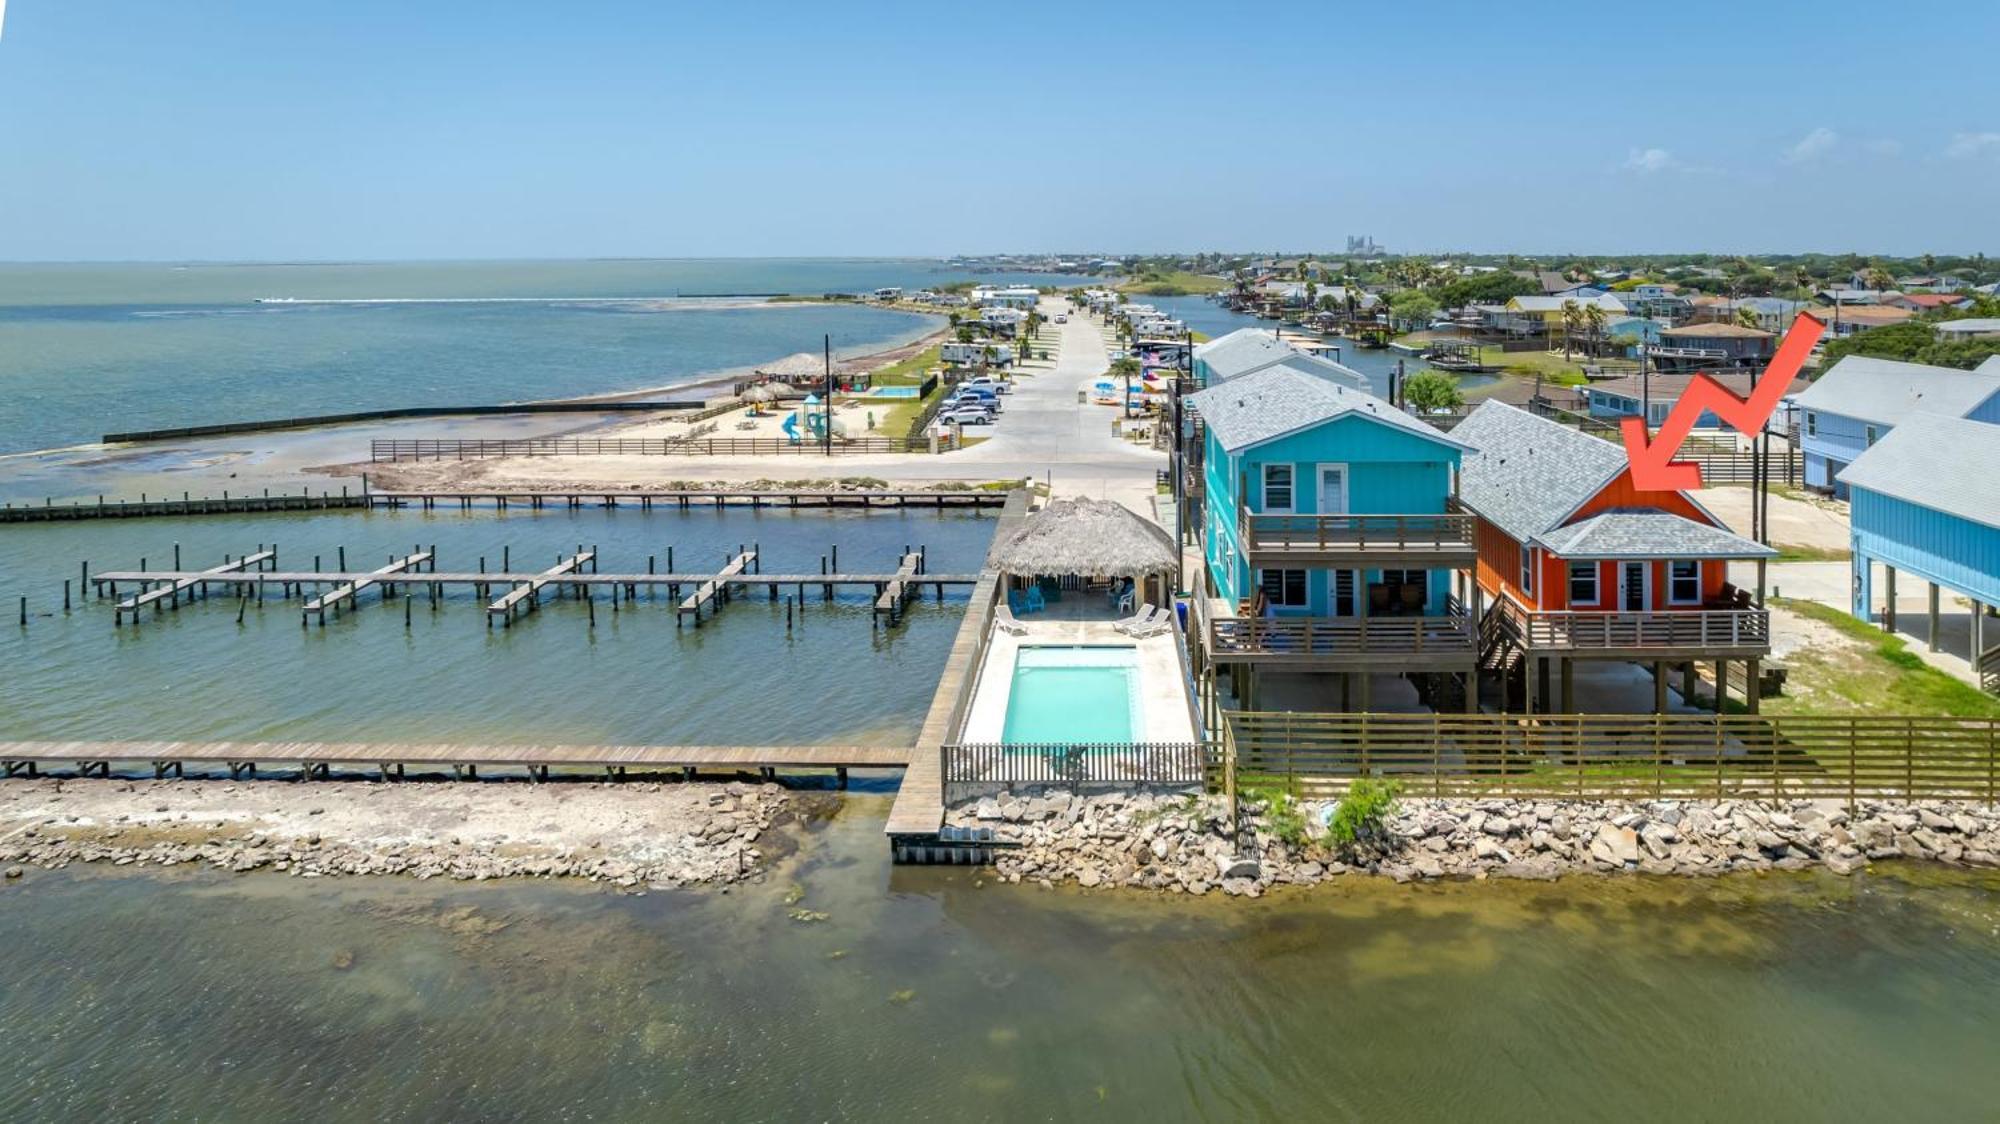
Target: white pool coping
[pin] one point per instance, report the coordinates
(1163, 704)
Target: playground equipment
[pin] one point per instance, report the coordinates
(815, 419)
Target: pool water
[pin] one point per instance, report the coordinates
(894, 392)
(1080, 694)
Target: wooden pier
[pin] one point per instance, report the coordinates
(529, 592)
(314, 760)
(189, 585)
(892, 595)
(533, 499)
(344, 593)
(717, 587)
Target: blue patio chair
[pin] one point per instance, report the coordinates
(1017, 601)
(1035, 602)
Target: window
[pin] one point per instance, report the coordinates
(1583, 583)
(1283, 589)
(1684, 583)
(1812, 424)
(1277, 487)
(1528, 570)
(1869, 431)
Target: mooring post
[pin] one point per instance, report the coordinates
(343, 559)
(65, 595)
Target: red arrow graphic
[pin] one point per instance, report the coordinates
(1654, 468)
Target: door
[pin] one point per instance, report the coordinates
(1340, 592)
(1333, 489)
(1633, 594)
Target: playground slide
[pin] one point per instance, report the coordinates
(791, 428)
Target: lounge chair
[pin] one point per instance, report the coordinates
(1131, 625)
(1162, 621)
(1003, 619)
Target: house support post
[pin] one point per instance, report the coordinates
(1542, 689)
(1889, 612)
(1752, 690)
(1659, 686)
(1568, 685)
(1472, 689)
(1687, 683)
(1721, 683)
(1934, 616)
(1528, 678)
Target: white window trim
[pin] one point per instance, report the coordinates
(1527, 575)
(1264, 493)
(1812, 423)
(1671, 599)
(1305, 586)
(1869, 436)
(1596, 584)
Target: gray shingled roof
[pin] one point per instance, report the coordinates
(1648, 534)
(1280, 400)
(1246, 350)
(1945, 464)
(1528, 473)
(1888, 391)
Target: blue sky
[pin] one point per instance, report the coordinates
(134, 129)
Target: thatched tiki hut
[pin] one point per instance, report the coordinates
(801, 368)
(1082, 542)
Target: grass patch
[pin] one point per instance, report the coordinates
(1877, 674)
(1178, 283)
(1793, 552)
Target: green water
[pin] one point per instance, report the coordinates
(926, 995)
(633, 677)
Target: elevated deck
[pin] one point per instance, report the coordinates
(1442, 541)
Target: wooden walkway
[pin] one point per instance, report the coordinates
(683, 500)
(174, 589)
(313, 760)
(530, 590)
(250, 579)
(716, 587)
(896, 591)
(345, 591)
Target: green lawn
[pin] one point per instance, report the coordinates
(1878, 674)
(1176, 284)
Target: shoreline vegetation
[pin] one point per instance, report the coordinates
(1172, 283)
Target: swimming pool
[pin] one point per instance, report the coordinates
(895, 392)
(1073, 694)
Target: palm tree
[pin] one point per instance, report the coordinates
(1746, 317)
(1572, 321)
(1126, 368)
(1595, 318)
(1879, 279)
(1930, 264)
(1806, 282)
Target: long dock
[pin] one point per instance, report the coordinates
(530, 590)
(494, 577)
(716, 587)
(346, 590)
(533, 499)
(314, 760)
(173, 590)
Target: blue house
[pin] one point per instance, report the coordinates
(1332, 541)
(1860, 400)
(1927, 503)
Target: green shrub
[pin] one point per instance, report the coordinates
(1360, 813)
(1283, 817)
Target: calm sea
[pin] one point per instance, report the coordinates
(90, 349)
(935, 994)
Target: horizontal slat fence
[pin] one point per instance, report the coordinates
(473, 448)
(972, 767)
(1612, 757)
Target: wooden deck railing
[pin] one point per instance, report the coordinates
(1616, 757)
(1308, 638)
(1449, 534)
(1703, 629)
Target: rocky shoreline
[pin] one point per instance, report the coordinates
(630, 836)
(1184, 844)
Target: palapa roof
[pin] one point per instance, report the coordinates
(1085, 536)
(802, 365)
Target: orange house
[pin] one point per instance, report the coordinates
(1580, 564)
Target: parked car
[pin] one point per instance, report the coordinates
(1062, 318)
(966, 415)
(988, 382)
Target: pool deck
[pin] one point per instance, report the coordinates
(1163, 706)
